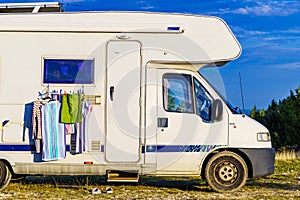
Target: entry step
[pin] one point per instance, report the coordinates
(122, 176)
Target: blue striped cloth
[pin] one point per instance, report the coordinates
(53, 135)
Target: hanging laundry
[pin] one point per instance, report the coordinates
(80, 138)
(86, 110)
(53, 138)
(71, 110)
(69, 128)
(36, 120)
(37, 124)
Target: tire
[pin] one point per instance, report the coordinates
(18, 177)
(226, 172)
(5, 175)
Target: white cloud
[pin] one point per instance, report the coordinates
(148, 7)
(292, 30)
(264, 8)
(244, 33)
(145, 5)
(281, 42)
(290, 66)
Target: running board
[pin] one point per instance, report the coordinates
(122, 176)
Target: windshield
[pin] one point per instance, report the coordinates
(213, 77)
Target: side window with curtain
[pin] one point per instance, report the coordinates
(68, 71)
(177, 93)
(203, 101)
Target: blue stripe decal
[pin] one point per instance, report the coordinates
(21, 147)
(18, 147)
(180, 148)
(147, 148)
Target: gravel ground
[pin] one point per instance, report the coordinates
(284, 184)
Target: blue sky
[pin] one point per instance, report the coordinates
(269, 32)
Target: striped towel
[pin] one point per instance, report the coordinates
(53, 137)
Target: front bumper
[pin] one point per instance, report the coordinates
(262, 161)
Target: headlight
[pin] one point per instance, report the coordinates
(263, 137)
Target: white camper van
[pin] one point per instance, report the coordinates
(120, 94)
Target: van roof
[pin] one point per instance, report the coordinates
(211, 35)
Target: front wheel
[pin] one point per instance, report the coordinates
(5, 175)
(226, 172)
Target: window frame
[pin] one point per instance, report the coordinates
(190, 88)
(66, 58)
(195, 101)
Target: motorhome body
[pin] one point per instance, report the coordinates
(150, 112)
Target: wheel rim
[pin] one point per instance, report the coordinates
(226, 173)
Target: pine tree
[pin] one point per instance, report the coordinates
(282, 119)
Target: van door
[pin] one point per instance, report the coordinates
(123, 92)
(185, 130)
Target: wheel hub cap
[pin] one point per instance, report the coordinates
(227, 172)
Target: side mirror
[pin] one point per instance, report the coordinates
(217, 110)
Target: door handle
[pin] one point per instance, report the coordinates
(111, 92)
(162, 122)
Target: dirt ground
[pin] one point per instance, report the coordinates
(284, 184)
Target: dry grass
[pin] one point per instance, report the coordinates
(286, 154)
(284, 184)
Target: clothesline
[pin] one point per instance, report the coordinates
(52, 119)
(55, 94)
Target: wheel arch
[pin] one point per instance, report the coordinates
(234, 150)
(9, 162)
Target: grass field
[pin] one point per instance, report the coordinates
(284, 184)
